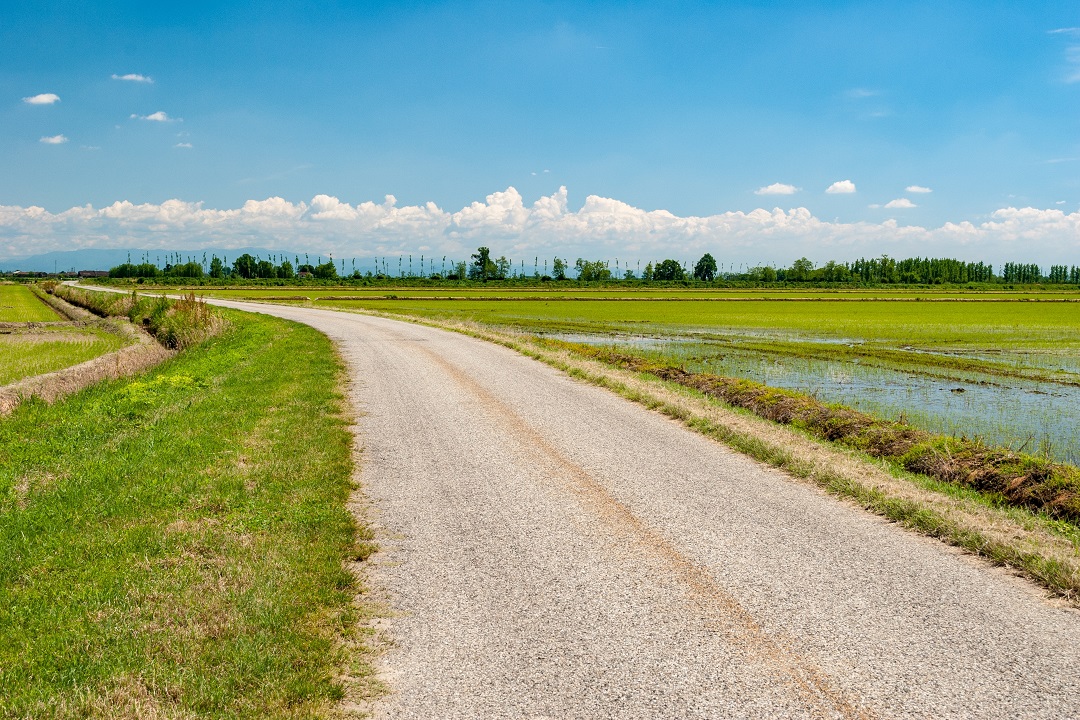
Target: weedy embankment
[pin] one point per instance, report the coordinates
(175, 323)
(178, 544)
(1020, 479)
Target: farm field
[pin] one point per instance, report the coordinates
(35, 340)
(557, 292)
(19, 305)
(25, 353)
(174, 542)
(1007, 372)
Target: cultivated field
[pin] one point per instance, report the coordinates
(25, 353)
(574, 291)
(19, 305)
(34, 339)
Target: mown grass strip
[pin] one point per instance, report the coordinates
(174, 545)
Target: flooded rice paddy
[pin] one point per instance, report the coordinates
(1036, 416)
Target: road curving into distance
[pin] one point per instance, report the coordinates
(552, 550)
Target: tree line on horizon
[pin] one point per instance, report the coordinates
(483, 267)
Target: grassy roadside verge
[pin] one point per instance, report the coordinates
(176, 544)
(1042, 548)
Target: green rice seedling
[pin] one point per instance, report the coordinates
(18, 304)
(26, 354)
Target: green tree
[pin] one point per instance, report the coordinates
(705, 268)
(558, 269)
(800, 270)
(245, 266)
(595, 271)
(285, 270)
(190, 269)
(482, 267)
(835, 272)
(762, 273)
(325, 271)
(217, 268)
(668, 271)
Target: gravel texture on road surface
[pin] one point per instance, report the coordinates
(552, 550)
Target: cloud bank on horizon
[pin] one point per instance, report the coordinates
(602, 228)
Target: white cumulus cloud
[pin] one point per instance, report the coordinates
(185, 145)
(841, 187)
(598, 228)
(42, 99)
(54, 139)
(159, 116)
(134, 77)
(917, 189)
(901, 203)
(777, 189)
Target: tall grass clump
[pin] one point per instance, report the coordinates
(1017, 478)
(175, 323)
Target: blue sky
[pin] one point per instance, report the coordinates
(693, 109)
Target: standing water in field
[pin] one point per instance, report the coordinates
(1029, 415)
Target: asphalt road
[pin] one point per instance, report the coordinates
(555, 551)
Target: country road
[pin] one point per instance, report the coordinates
(552, 550)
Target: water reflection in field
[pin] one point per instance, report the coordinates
(1040, 417)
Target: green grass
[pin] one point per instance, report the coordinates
(173, 544)
(531, 289)
(18, 304)
(953, 324)
(24, 355)
(175, 323)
